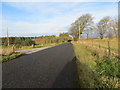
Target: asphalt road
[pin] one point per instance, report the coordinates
(53, 67)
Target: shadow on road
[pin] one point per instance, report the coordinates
(68, 77)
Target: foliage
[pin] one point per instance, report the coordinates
(82, 23)
(18, 41)
(64, 35)
(106, 72)
(10, 57)
(113, 28)
(106, 27)
(102, 26)
(99, 72)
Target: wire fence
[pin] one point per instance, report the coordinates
(108, 47)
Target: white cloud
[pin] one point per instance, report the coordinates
(59, 23)
(60, 0)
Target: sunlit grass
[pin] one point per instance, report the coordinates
(95, 68)
(7, 50)
(85, 65)
(102, 42)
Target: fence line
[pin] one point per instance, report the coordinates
(108, 51)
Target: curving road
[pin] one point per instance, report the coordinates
(53, 67)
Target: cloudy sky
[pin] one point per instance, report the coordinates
(47, 18)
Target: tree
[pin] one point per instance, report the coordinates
(27, 42)
(102, 26)
(80, 24)
(73, 31)
(88, 30)
(114, 26)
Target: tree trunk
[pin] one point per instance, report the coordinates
(79, 33)
(87, 36)
(101, 37)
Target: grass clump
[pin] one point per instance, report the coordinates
(106, 72)
(10, 57)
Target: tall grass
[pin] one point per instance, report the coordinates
(96, 70)
(103, 43)
(85, 65)
(7, 50)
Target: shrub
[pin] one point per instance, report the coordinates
(28, 42)
(107, 72)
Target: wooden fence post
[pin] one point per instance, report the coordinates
(99, 43)
(109, 52)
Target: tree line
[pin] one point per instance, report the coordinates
(63, 37)
(106, 27)
(28, 41)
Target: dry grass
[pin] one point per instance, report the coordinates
(85, 65)
(92, 61)
(103, 43)
(24, 47)
(11, 49)
(7, 50)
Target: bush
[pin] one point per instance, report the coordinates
(106, 72)
(27, 42)
(18, 46)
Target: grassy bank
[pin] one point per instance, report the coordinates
(95, 70)
(85, 65)
(10, 57)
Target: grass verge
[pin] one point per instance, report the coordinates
(85, 66)
(95, 70)
(10, 57)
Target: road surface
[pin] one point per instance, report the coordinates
(54, 67)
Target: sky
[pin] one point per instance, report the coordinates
(49, 18)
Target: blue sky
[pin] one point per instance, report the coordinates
(41, 18)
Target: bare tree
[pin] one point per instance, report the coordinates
(73, 30)
(80, 24)
(114, 26)
(102, 26)
(88, 30)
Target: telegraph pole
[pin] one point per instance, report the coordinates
(8, 38)
(79, 32)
